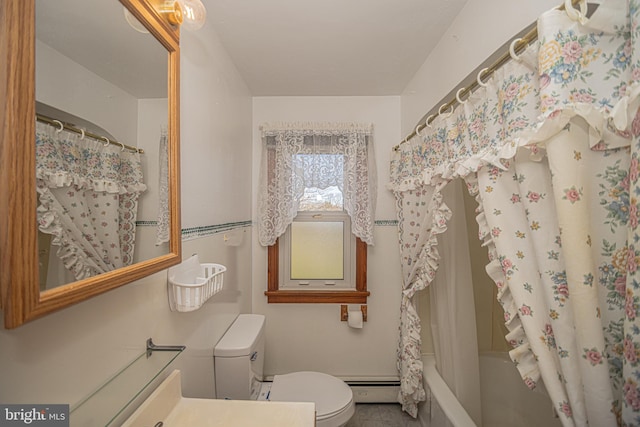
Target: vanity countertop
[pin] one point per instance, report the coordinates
(166, 404)
(213, 412)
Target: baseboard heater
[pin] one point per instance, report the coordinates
(375, 391)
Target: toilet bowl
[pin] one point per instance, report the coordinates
(239, 362)
(332, 396)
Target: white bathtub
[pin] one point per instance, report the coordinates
(506, 401)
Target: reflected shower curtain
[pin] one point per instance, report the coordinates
(549, 150)
(88, 199)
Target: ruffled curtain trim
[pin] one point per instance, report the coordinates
(521, 353)
(73, 258)
(59, 179)
(600, 121)
(67, 161)
(409, 346)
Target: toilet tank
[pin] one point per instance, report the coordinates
(239, 359)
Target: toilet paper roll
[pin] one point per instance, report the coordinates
(354, 319)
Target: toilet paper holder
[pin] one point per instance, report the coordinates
(344, 312)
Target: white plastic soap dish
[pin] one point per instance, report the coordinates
(191, 284)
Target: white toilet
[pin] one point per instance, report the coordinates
(239, 362)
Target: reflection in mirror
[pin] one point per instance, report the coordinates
(101, 92)
(96, 72)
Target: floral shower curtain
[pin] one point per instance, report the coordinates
(549, 149)
(421, 216)
(88, 199)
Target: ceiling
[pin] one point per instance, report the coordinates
(330, 47)
(96, 35)
(280, 47)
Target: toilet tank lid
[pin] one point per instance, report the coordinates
(241, 336)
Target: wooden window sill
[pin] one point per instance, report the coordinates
(317, 297)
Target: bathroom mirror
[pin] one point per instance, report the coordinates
(84, 84)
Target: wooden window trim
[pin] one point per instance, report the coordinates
(275, 295)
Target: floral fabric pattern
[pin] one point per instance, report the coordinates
(88, 200)
(550, 151)
(423, 216)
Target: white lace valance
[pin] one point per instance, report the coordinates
(315, 128)
(289, 166)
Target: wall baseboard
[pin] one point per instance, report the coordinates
(375, 392)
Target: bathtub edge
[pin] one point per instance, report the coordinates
(445, 398)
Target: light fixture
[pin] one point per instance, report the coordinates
(189, 14)
(133, 22)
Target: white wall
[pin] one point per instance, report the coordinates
(479, 29)
(311, 336)
(68, 86)
(63, 356)
(477, 32)
(216, 134)
(152, 121)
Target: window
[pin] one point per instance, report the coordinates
(316, 212)
(357, 295)
(317, 252)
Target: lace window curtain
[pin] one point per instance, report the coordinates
(549, 148)
(162, 234)
(290, 164)
(88, 198)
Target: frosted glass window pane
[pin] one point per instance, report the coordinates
(317, 250)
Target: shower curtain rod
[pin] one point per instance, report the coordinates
(72, 128)
(518, 47)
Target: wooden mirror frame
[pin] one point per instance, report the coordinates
(20, 296)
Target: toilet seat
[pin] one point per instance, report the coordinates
(332, 396)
